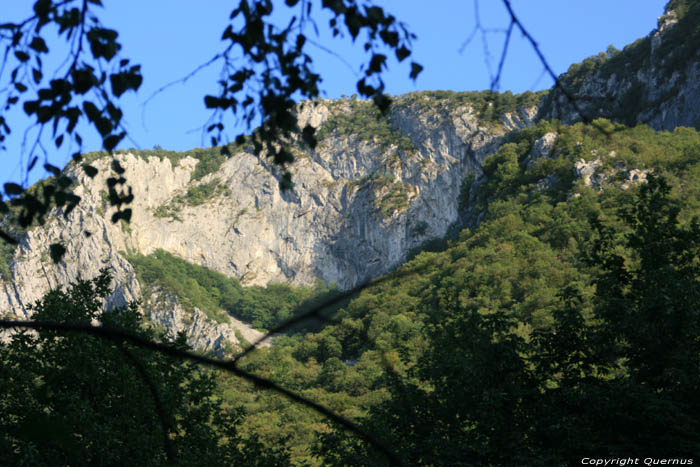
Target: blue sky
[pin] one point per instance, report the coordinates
(170, 38)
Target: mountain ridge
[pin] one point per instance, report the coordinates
(374, 190)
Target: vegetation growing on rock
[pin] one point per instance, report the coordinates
(218, 295)
(489, 106)
(209, 159)
(362, 119)
(81, 400)
(507, 281)
(195, 195)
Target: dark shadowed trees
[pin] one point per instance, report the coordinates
(74, 399)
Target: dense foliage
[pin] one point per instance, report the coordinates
(218, 295)
(489, 106)
(612, 373)
(362, 119)
(72, 399)
(563, 324)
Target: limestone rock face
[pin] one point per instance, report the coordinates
(588, 172)
(542, 148)
(358, 205)
(165, 312)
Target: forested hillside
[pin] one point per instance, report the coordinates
(517, 325)
(552, 317)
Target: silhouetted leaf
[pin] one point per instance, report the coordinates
(63, 181)
(390, 38)
(6, 237)
(91, 111)
(382, 102)
(211, 102)
(90, 171)
(21, 56)
(83, 80)
(103, 42)
(52, 168)
(12, 189)
(401, 53)
(38, 44)
(308, 134)
(121, 215)
(36, 75)
(117, 167)
(124, 81)
(111, 141)
(32, 163)
(56, 250)
(415, 70)
(377, 63)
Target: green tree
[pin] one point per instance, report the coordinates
(615, 376)
(74, 399)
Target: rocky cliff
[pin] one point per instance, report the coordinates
(655, 80)
(372, 190)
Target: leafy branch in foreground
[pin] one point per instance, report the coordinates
(265, 70)
(84, 88)
(277, 68)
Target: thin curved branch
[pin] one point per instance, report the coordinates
(535, 46)
(230, 366)
(81, 35)
(333, 54)
(316, 311)
(182, 80)
(496, 81)
(477, 28)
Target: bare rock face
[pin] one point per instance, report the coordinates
(588, 172)
(542, 148)
(360, 202)
(165, 312)
(593, 175)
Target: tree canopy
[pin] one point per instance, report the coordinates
(71, 399)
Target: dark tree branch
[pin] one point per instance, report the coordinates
(496, 81)
(535, 46)
(316, 311)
